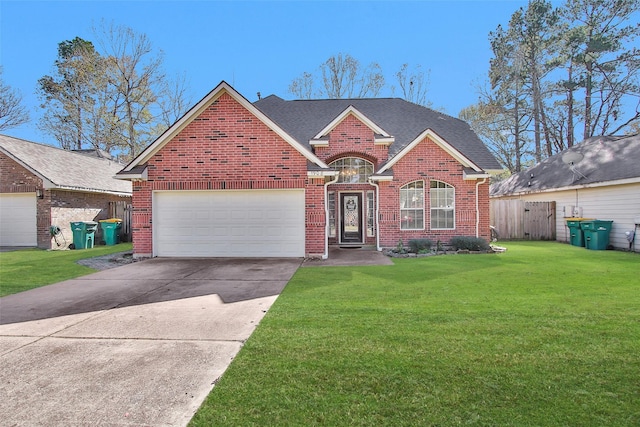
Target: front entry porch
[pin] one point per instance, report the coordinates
(343, 256)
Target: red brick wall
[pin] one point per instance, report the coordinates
(141, 230)
(225, 147)
(352, 138)
(16, 179)
(315, 218)
(427, 161)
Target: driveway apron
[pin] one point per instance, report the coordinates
(141, 344)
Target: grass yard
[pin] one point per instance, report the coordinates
(31, 268)
(545, 334)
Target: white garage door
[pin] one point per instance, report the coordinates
(18, 219)
(261, 223)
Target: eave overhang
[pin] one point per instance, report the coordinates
(470, 175)
(138, 173)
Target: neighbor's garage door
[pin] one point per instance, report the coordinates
(260, 223)
(18, 219)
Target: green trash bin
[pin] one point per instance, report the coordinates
(111, 231)
(596, 234)
(83, 234)
(79, 230)
(575, 231)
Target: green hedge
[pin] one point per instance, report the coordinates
(420, 245)
(469, 243)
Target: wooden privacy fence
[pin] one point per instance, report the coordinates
(521, 220)
(122, 210)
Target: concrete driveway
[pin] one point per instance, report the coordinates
(141, 344)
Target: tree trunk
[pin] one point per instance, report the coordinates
(570, 107)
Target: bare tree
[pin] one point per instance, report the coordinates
(116, 100)
(136, 76)
(174, 101)
(414, 84)
(303, 86)
(342, 77)
(12, 112)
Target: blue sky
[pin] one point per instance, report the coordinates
(262, 46)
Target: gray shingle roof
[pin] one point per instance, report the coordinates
(66, 169)
(303, 119)
(603, 159)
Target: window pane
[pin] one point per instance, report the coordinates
(332, 213)
(412, 206)
(442, 199)
(352, 170)
(370, 214)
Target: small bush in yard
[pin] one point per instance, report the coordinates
(469, 243)
(420, 245)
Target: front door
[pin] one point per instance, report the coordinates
(351, 218)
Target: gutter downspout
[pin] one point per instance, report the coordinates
(326, 216)
(378, 248)
(478, 183)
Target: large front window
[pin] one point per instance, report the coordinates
(352, 170)
(442, 206)
(412, 206)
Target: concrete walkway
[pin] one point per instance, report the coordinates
(142, 344)
(343, 257)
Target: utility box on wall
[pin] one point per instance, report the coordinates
(571, 211)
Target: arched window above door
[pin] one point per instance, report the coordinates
(352, 170)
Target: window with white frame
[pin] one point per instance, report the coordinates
(412, 206)
(331, 199)
(352, 170)
(442, 201)
(370, 214)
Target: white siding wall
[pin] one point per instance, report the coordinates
(620, 203)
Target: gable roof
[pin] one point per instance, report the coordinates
(403, 120)
(64, 169)
(133, 171)
(603, 160)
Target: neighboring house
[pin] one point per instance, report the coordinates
(598, 178)
(288, 178)
(43, 186)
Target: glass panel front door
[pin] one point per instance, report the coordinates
(351, 217)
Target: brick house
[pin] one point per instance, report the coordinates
(42, 186)
(290, 178)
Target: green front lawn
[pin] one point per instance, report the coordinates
(545, 334)
(31, 268)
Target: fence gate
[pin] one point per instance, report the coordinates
(122, 210)
(520, 220)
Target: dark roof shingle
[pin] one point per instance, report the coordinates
(303, 119)
(604, 158)
(66, 169)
